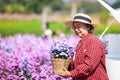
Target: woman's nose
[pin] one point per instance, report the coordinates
(76, 29)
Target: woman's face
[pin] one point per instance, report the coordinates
(80, 29)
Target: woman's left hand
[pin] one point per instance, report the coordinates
(65, 73)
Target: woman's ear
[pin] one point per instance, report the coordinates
(88, 28)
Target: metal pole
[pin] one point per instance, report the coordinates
(106, 28)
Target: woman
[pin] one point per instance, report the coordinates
(89, 62)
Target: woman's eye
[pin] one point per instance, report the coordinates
(76, 27)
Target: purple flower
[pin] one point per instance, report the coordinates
(24, 57)
(61, 50)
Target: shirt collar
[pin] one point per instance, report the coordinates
(85, 39)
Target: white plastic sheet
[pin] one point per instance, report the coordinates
(113, 68)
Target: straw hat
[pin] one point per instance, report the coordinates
(81, 17)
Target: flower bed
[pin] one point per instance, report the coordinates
(27, 57)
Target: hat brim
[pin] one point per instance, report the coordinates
(70, 23)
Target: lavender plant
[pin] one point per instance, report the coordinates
(27, 57)
(61, 50)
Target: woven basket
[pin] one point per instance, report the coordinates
(59, 63)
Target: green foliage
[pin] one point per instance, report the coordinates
(116, 5)
(104, 16)
(114, 28)
(13, 8)
(12, 27)
(28, 6)
(36, 6)
(23, 27)
(56, 5)
(90, 7)
(60, 27)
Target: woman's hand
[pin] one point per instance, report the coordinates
(65, 73)
(70, 58)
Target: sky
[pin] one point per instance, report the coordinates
(109, 1)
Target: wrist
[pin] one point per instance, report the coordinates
(69, 74)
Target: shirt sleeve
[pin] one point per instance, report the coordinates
(92, 58)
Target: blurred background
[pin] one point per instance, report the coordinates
(26, 26)
(32, 16)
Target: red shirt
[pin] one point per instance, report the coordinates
(90, 60)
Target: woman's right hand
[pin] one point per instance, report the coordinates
(70, 58)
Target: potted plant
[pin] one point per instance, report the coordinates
(61, 53)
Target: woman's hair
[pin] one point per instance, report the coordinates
(91, 28)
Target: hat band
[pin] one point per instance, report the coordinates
(84, 18)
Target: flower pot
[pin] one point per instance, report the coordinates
(58, 64)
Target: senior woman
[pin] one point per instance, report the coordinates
(90, 57)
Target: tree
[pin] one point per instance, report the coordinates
(116, 5)
(90, 7)
(104, 16)
(30, 6)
